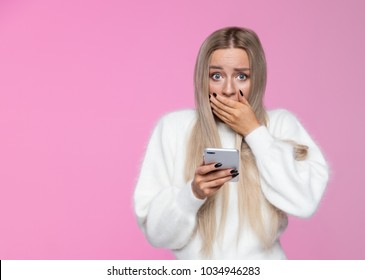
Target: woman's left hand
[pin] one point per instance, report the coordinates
(236, 114)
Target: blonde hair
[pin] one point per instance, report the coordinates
(251, 202)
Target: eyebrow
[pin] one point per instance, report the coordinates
(235, 69)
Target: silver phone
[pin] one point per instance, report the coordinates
(229, 158)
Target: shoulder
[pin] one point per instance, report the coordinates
(178, 119)
(281, 122)
(280, 115)
(181, 116)
(176, 123)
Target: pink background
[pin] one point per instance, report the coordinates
(82, 84)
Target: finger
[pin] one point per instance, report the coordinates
(220, 113)
(207, 168)
(222, 118)
(242, 98)
(218, 174)
(215, 183)
(211, 191)
(222, 106)
(224, 102)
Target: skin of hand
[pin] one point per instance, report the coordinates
(238, 115)
(208, 179)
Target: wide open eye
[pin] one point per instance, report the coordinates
(216, 76)
(242, 77)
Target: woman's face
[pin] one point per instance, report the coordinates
(229, 72)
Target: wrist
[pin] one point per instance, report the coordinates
(196, 194)
(250, 129)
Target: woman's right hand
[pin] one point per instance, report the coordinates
(208, 179)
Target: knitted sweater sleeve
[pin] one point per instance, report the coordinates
(296, 187)
(165, 207)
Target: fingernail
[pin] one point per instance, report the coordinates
(241, 93)
(214, 94)
(218, 165)
(234, 171)
(235, 175)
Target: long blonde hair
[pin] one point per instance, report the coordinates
(251, 201)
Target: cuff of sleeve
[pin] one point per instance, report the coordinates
(259, 140)
(188, 201)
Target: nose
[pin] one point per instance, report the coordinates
(229, 88)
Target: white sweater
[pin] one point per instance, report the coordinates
(166, 208)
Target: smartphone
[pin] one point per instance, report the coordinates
(229, 158)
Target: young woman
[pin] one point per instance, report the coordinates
(191, 207)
